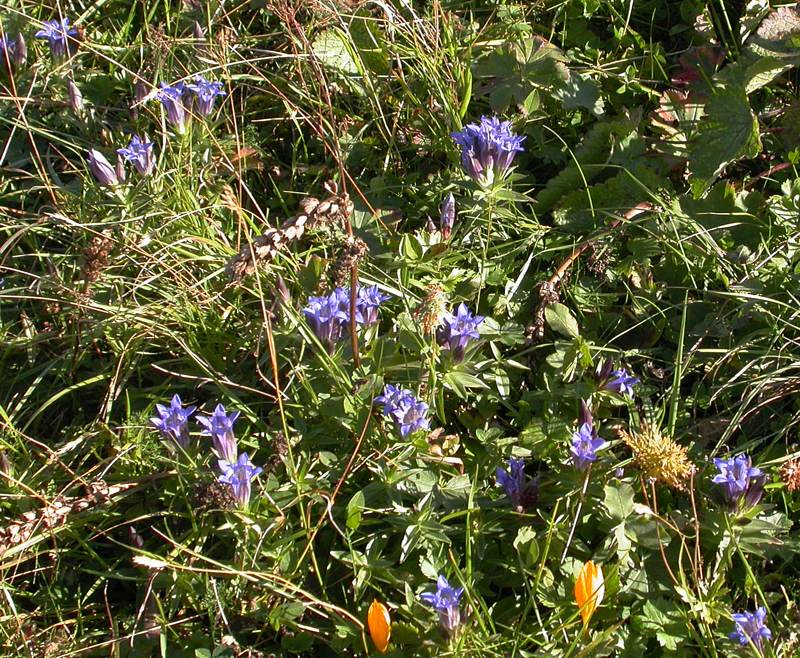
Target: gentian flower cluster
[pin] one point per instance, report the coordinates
(57, 33)
(329, 315)
(741, 484)
(239, 474)
(457, 330)
(220, 428)
(520, 490)
(139, 153)
(750, 627)
(446, 601)
(404, 408)
(585, 441)
(177, 101)
(173, 421)
(488, 149)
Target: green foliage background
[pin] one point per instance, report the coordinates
(113, 300)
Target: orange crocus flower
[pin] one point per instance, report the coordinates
(380, 625)
(589, 590)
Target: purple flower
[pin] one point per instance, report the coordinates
(741, 483)
(487, 149)
(56, 32)
(171, 97)
(750, 628)
(328, 317)
(140, 153)
(173, 421)
(519, 489)
(621, 382)
(446, 601)
(457, 330)
(368, 301)
(447, 215)
(585, 442)
(102, 169)
(407, 411)
(239, 475)
(207, 92)
(220, 428)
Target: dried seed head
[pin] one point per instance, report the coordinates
(432, 309)
(658, 456)
(350, 254)
(790, 474)
(96, 257)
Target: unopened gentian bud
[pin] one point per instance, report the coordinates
(101, 168)
(20, 50)
(448, 215)
(284, 295)
(75, 98)
(119, 169)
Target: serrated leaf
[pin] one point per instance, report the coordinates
(728, 132)
(560, 319)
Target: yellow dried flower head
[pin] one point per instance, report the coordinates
(658, 456)
(432, 309)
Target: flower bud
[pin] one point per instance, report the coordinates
(20, 50)
(448, 215)
(101, 168)
(75, 98)
(119, 169)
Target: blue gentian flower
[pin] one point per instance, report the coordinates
(328, 317)
(585, 442)
(173, 421)
(621, 382)
(404, 408)
(207, 92)
(750, 628)
(413, 417)
(487, 149)
(457, 330)
(239, 476)
(368, 301)
(447, 215)
(520, 490)
(741, 483)
(172, 98)
(220, 428)
(446, 601)
(57, 32)
(102, 169)
(140, 153)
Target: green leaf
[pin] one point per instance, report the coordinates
(525, 543)
(331, 49)
(728, 132)
(560, 319)
(618, 501)
(354, 510)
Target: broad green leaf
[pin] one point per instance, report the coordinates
(331, 49)
(728, 132)
(618, 501)
(560, 319)
(525, 543)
